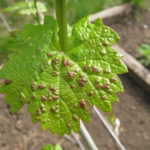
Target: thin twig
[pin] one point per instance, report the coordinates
(5, 22)
(37, 12)
(39, 16)
(70, 138)
(78, 141)
(87, 138)
(113, 11)
(109, 129)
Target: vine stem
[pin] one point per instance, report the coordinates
(37, 12)
(62, 22)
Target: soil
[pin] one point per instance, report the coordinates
(18, 133)
(133, 29)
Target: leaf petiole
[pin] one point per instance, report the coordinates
(62, 22)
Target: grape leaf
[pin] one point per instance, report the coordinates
(59, 86)
(26, 8)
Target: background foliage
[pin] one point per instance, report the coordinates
(17, 15)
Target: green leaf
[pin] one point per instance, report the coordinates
(50, 147)
(26, 8)
(60, 86)
(145, 52)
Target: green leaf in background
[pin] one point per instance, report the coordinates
(26, 8)
(60, 86)
(145, 52)
(6, 46)
(88, 7)
(50, 147)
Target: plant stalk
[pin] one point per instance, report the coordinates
(62, 22)
(37, 12)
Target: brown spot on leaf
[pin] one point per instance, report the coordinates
(113, 79)
(33, 97)
(33, 86)
(54, 73)
(98, 86)
(7, 82)
(53, 89)
(53, 109)
(95, 69)
(55, 61)
(75, 118)
(85, 68)
(71, 74)
(72, 86)
(106, 86)
(41, 86)
(91, 93)
(66, 62)
(43, 98)
(83, 104)
(76, 70)
(84, 80)
(55, 98)
(82, 84)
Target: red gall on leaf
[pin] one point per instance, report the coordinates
(53, 109)
(106, 86)
(72, 86)
(98, 86)
(33, 86)
(95, 69)
(54, 73)
(85, 68)
(41, 86)
(113, 79)
(83, 104)
(71, 74)
(7, 82)
(91, 93)
(55, 98)
(43, 98)
(82, 83)
(53, 89)
(84, 80)
(55, 61)
(66, 62)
